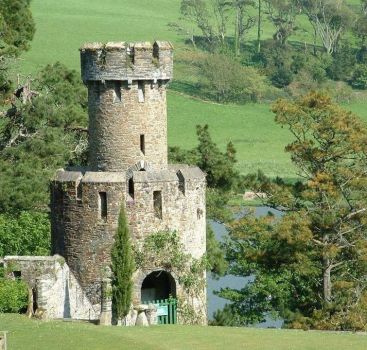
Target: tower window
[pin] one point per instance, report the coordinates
(79, 191)
(141, 91)
(117, 91)
(103, 205)
(142, 144)
(157, 202)
(131, 188)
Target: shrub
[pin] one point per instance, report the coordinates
(13, 295)
(339, 91)
(359, 77)
(281, 77)
(342, 65)
(226, 80)
(25, 234)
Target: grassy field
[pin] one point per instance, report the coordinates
(25, 334)
(62, 26)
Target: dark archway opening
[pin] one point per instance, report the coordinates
(158, 285)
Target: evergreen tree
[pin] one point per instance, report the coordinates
(123, 267)
(16, 26)
(42, 130)
(309, 266)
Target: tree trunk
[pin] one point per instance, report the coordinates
(327, 280)
(259, 29)
(236, 34)
(314, 41)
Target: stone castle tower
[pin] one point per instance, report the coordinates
(127, 166)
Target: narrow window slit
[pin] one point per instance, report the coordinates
(79, 191)
(117, 91)
(131, 188)
(157, 202)
(141, 93)
(103, 205)
(142, 144)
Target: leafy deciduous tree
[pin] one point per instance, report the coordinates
(329, 18)
(282, 14)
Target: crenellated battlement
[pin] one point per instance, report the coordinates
(127, 61)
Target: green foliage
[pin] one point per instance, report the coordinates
(359, 77)
(39, 133)
(215, 254)
(13, 295)
(122, 267)
(225, 80)
(16, 26)
(218, 166)
(282, 13)
(221, 178)
(342, 65)
(27, 233)
(278, 61)
(310, 264)
(163, 250)
(226, 317)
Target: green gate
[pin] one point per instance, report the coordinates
(166, 310)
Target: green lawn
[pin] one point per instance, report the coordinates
(25, 334)
(62, 26)
(259, 141)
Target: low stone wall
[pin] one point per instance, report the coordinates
(58, 294)
(3, 345)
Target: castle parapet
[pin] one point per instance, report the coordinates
(127, 61)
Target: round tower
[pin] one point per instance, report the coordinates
(127, 103)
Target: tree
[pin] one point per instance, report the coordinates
(123, 267)
(244, 21)
(282, 13)
(210, 16)
(213, 17)
(329, 18)
(16, 26)
(222, 177)
(226, 80)
(16, 31)
(25, 234)
(42, 130)
(310, 265)
(259, 23)
(360, 30)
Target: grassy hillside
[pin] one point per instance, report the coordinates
(62, 26)
(25, 334)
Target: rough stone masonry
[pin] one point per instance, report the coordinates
(127, 166)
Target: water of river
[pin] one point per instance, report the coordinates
(215, 302)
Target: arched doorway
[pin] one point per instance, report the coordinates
(159, 288)
(158, 285)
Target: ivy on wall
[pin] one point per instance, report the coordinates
(163, 250)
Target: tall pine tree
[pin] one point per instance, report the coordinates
(122, 267)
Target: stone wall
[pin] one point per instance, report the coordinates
(85, 239)
(58, 291)
(79, 232)
(117, 121)
(127, 61)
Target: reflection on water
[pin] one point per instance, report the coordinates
(215, 302)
